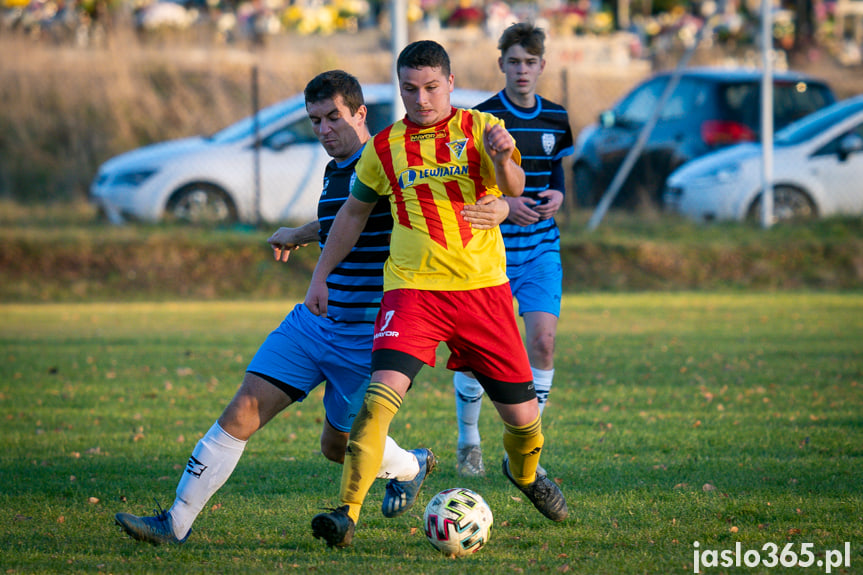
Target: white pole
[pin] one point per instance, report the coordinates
(767, 114)
(399, 30)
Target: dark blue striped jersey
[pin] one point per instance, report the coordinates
(357, 284)
(544, 137)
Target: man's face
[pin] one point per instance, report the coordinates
(340, 132)
(522, 71)
(425, 93)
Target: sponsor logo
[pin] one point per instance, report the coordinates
(388, 333)
(428, 136)
(388, 317)
(548, 143)
(410, 177)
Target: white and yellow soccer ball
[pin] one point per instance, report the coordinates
(458, 522)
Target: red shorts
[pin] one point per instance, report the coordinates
(478, 326)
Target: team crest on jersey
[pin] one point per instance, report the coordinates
(457, 147)
(326, 185)
(548, 143)
(353, 179)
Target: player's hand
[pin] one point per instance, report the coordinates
(316, 298)
(551, 206)
(283, 243)
(488, 212)
(498, 144)
(522, 211)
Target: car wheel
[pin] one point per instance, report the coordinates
(201, 204)
(789, 204)
(585, 195)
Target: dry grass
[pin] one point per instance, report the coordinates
(65, 110)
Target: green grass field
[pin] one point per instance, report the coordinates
(675, 419)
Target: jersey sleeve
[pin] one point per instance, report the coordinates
(486, 119)
(363, 192)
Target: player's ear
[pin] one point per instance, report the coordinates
(362, 112)
(500, 64)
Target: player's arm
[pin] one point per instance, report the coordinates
(488, 212)
(500, 147)
(343, 236)
(286, 240)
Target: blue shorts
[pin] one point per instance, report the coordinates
(306, 350)
(536, 285)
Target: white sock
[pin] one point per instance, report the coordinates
(468, 402)
(212, 462)
(542, 383)
(398, 463)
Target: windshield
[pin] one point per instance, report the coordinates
(243, 129)
(814, 124)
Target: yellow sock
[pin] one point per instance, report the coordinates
(523, 446)
(365, 449)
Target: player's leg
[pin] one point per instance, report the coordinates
(263, 393)
(406, 337)
(468, 404)
(499, 361)
(346, 365)
(363, 456)
(538, 292)
(212, 462)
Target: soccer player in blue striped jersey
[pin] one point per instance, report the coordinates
(543, 136)
(307, 350)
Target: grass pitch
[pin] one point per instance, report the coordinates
(675, 419)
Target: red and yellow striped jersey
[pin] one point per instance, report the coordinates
(429, 173)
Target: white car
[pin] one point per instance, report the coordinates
(817, 172)
(212, 179)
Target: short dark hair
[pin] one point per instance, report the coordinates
(328, 85)
(424, 54)
(526, 35)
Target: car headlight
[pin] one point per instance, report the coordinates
(133, 179)
(724, 173)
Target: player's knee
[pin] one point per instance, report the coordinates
(542, 347)
(333, 447)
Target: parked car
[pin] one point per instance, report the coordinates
(709, 109)
(817, 171)
(212, 178)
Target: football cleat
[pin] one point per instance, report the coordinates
(469, 461)
(334, 527)
(155, 530)
(545, 495)
(401, 495)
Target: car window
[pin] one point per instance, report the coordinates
(740, 103)
(243, 129)
(832, 147)
(297, 132)
(793, 101)
(687, 96)
(638, 106)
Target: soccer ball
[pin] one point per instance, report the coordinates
(458, 522)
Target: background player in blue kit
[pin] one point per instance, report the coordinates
(543, 136)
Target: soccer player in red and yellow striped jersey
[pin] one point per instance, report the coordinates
(444, 281)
